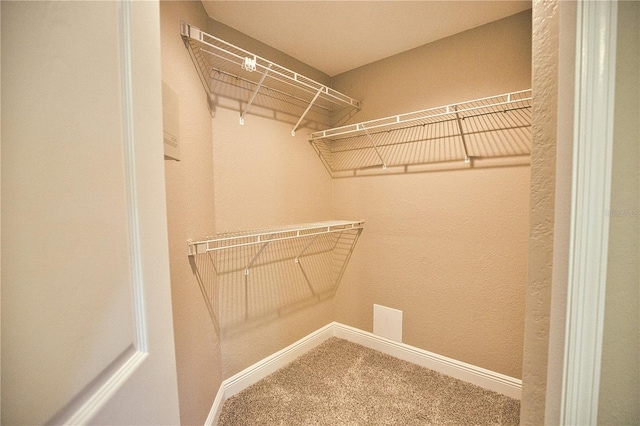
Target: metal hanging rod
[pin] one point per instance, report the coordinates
(227, 240)
(210, 52)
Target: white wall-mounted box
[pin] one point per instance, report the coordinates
(387, 322)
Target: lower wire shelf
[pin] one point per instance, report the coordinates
(246, 275)
(227, 240)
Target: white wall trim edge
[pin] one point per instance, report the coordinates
(263, 368)
(479, 376)
(484, 378)
(591, 193)
(216, 408)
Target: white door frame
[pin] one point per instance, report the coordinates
(591, 193)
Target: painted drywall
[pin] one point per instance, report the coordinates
(544, 131)
(620, 373)
(449, 248)
(190, 210)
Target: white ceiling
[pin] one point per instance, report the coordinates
(337, 36)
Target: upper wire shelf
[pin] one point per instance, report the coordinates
(489, 127)
(260, 82)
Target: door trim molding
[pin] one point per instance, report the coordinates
(591, 193)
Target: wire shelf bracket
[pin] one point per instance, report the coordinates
(254, 258)
(297, 259)
(250, 65)
(373, 144)
(462, 138)
(213, 56)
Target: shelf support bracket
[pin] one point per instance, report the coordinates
(348, 257)
(293, 132)
(297, 259)
(255, 257)
(253, 95)
(462, 135)
(373, 144)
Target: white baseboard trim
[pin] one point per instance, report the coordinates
(263, 368)
(469, 373)
(486, 379)
(270, 364)
(216, 408)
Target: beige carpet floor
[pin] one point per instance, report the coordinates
(342, 383)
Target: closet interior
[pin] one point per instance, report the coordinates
(428, 150)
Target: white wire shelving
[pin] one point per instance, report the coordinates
(248, 274)
(222, 65)
(264, 237)
(495, 126)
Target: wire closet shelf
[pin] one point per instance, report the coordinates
(228, 240)
(495, 126)
(221, 63)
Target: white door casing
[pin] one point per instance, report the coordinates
(86, 312)
(595, 69)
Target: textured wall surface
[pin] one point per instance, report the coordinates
(620, 380)
(545, 92)
(190, 210)
(449, 247)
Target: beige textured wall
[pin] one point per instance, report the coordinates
(190, 210)
(620, 375)
(449, 248)
(545, 94)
